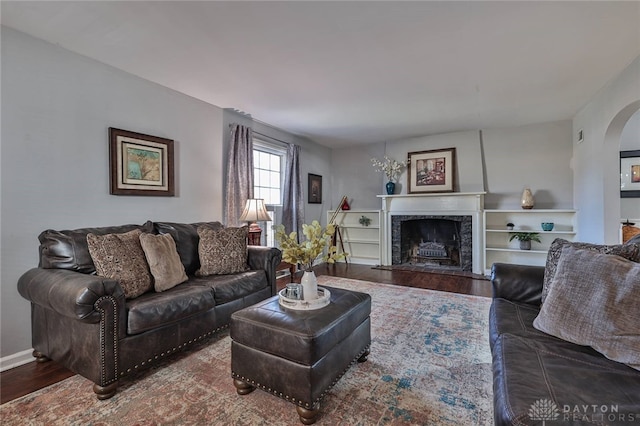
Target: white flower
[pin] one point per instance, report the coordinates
(391, 168)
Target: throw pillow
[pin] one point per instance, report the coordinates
(628, 251)
(594, 301)
(222, 251)
(120, 257)
(164, 261)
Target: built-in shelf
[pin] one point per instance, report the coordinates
(361, 242)
(498, 248)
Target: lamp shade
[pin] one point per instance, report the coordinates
(254, 211)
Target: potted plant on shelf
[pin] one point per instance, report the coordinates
(525, 239)
(305, 253)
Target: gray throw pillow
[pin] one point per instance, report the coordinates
(628, 251)
(594, 301)
(120, 257)
(164, 261)
(222, 251)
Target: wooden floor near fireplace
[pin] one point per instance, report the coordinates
(30, 377)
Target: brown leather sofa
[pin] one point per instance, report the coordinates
(538, 377)
(83, 321)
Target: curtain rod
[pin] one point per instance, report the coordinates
(271, 137)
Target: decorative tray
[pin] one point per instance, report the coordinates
(324, 296)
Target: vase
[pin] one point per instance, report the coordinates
(525, 245)
(309, 285)
(527, 199)
(391, 187)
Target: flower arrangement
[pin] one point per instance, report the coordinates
(390, 167)
(305, 253)
(364, 221)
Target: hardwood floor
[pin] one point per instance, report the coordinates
(30, 377)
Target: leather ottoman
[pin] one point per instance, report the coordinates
(298, 355)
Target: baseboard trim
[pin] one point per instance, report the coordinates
(16, 360)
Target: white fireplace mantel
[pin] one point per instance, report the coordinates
(450, 203)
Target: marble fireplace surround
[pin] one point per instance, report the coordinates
(440, 204)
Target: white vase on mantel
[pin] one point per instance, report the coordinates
(309, 285)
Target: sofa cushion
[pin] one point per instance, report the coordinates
(593, 300)
(506, 316)
(164, 261)
(120, 257)
(68, 249)
(153, 310)
(628, 251)
(526, 371)
(222, 251)
(186, 238)
(227, 288)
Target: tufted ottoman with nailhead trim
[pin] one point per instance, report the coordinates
(299, 355)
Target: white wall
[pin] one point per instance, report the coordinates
(56, 109)
(597, 168)
(536, 156)
(501, 162)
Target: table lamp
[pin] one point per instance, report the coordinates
(254, 211)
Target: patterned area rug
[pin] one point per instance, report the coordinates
(430, 364)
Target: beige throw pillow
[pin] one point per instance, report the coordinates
(222, 251)
(594, 301)
(628, 251)
(164, 261)
(120, 257)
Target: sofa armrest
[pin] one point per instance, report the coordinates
(72, 294)
(267, 258)
(518, 283)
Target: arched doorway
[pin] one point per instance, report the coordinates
(612, 200)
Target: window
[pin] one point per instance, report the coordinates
(268, 181)
(267, 173)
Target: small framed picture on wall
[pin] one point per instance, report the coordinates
(315, 189)
(629, 174)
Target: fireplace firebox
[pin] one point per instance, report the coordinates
(443, 242)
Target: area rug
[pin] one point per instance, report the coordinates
(430, 364)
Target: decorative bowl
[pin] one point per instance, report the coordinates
(547, 226)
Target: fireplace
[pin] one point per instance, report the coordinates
(441, 230)
(434, 241)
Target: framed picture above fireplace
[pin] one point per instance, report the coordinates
(431, 171)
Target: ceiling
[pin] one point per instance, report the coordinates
(343, 73)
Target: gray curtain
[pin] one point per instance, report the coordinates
(293, 207)
(239, 173)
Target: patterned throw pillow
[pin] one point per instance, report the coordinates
(120, 257)
(164, 261)
(222, 251)
(628, 251)
(594, 301)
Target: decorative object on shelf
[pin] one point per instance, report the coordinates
(345, 204)
(527, 201)
(254, 211)
(629, 174)
(391, 169)
(525, 239)
(315, 188)
(510, 226)
(432, 171)
(364, 221)
(547, 226)
(140, 164)
(307, 252)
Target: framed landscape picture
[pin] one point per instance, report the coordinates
(629, 174)
(431, 171)
(315, 189)
(140, 164)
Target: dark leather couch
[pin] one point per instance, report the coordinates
(537, 377)
(84, 322)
